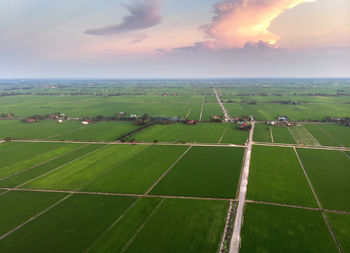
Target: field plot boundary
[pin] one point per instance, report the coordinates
(331, 231)
(138, 143)
(167, 171)
(273, 141)
(42, 163)
(300, 146)
(34, 217)
(116, 194)
(50, 171)
(223, 134)
(201, 114)
(142, 226)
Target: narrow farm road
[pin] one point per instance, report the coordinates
(236, 237)
(226, 115)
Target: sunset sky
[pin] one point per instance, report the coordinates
(174, 38)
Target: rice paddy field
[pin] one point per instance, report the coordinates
(118, 186)
(200, 133)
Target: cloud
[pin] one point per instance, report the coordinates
(238, 21)
(143, 14)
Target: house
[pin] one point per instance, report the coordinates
(133, 116)
(85, 122)
(191, 122)
(59, 121)
(30, 120)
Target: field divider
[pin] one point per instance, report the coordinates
(138, 143)
(167, 171)
(112, 225)
(201, 114)
(223, 134)
(142, 226)
(117, 194)
(331, 231)
(272, 139)
(39, 164)
(34, 217)
(300, 146)
(226, 236)
(50, 171)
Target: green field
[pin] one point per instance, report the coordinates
(68, 130)
(204, 172)
(321, 136)
(262, 133)
(176, 226)
(330, 176)
(17, 207)
(17, 157)
(341, 226)
(339, 132)
(302, 136)
(201, 133)
(282, 135)
(69, 227)
(36, 171)
(139, 172)
(80, 173)
(276, 176)
(283, 229)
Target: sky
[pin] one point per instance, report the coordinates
(174, 38)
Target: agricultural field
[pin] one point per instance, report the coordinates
(341, 226)
(321, 136)
(302, 136)
(156, 184)
(68, 130)
(282, 135)
(277, 177)
(200, 133)
(295, 230)
(340, 134)
(329, 174)
(204, 172)
(262, 133)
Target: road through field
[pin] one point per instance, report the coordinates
(227, 116)
(236, 237)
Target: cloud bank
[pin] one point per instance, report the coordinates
(143, 14)
(237, 22)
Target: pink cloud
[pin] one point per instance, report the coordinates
(239, 21)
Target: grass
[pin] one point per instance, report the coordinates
(276, 176)
(139, 172)
(69, 227)
(321, 136)
(77, 175)
(204, 172)
(303, 136)
(17, 207)
(262, 133)
(341, 226)
(282, 229)
(282, 135)
(183, 226)
(16, 157)
(48, 166)
(330, 176)
(339, 132)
